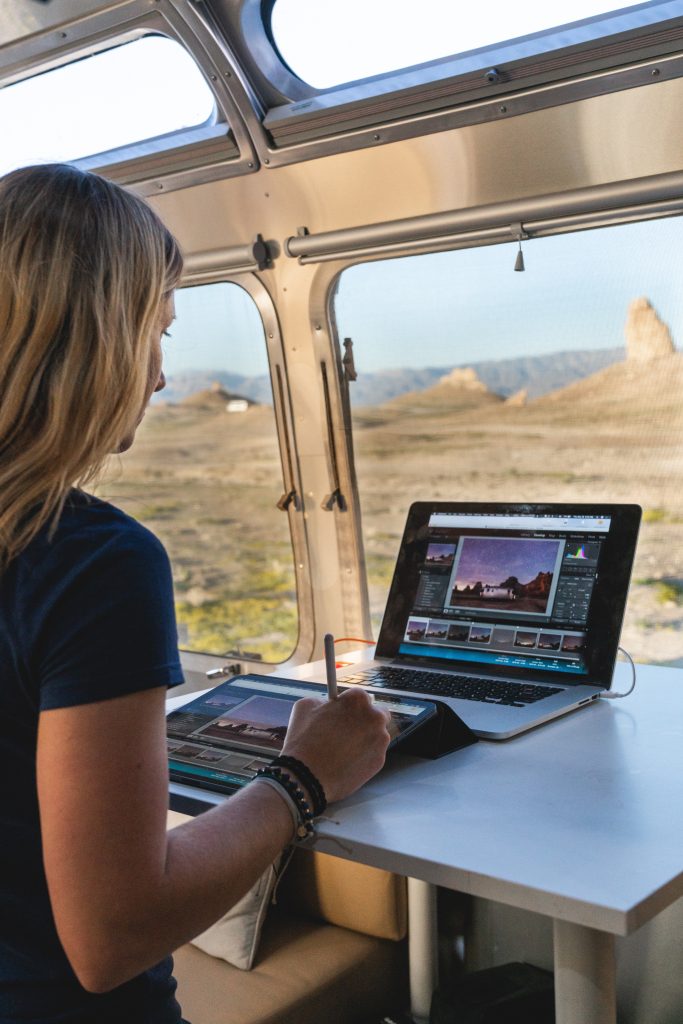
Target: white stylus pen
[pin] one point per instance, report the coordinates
(330, 667)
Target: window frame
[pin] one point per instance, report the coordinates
(328, 273)
(219, 149)
(202, 662)
(304, 123)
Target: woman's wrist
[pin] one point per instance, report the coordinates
(294, 795)
(306, 779)
(286, 801)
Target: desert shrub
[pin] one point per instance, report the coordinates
(266, 626)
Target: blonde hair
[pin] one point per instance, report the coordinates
(84, 269)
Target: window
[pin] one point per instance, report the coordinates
(121, 96)
(564, 382)
(204, 475)
(330, 42)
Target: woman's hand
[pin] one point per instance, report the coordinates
(343, 741)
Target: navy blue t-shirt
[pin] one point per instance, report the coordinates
(84, 616)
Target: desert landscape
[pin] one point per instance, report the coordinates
(206, 481)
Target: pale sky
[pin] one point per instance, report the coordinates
(455, 307)
(471, 305)
(328, 42)
(131, 92)
(442, 309)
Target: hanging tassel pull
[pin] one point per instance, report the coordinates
(519, 261)
(519, 233)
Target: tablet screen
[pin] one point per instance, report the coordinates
(222, 739)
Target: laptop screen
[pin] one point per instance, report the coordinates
(521, 589)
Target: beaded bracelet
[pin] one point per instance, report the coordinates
(305, 827)
(305, 775)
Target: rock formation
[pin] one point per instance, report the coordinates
(647, 337)
(458, 390)
(463, 378)
(519, 398)
(646, 388)
(215, 397)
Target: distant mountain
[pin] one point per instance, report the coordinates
(542, 374)
(634, 387)
(538, 375)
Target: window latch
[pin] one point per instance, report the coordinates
(225, 671)
(286, 500)
(350, 373)
(243, 655)
(334, 498)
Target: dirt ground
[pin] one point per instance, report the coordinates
(207, 481)
(617, 437)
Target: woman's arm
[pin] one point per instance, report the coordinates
(124, 893)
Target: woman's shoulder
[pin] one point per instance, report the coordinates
(91, 535)
(93, 522)
(90, 607)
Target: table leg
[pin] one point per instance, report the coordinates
(585, 975)
(422, 947)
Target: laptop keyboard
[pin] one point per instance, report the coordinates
(442, 684)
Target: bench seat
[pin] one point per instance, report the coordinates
(306, 972)
(332, 950)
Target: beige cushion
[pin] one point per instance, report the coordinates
(350, 895)
(305, 973)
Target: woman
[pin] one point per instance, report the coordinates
(93, 893)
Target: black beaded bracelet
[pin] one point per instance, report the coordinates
(306, 776)
(305, 827)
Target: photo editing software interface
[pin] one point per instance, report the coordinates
(227, 734)
(508, 590)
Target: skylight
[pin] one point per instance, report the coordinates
(329, 42)
(115, 98)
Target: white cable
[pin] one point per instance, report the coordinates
(615, 696)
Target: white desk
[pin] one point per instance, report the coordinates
(580, 820)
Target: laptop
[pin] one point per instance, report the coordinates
(508, 613)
